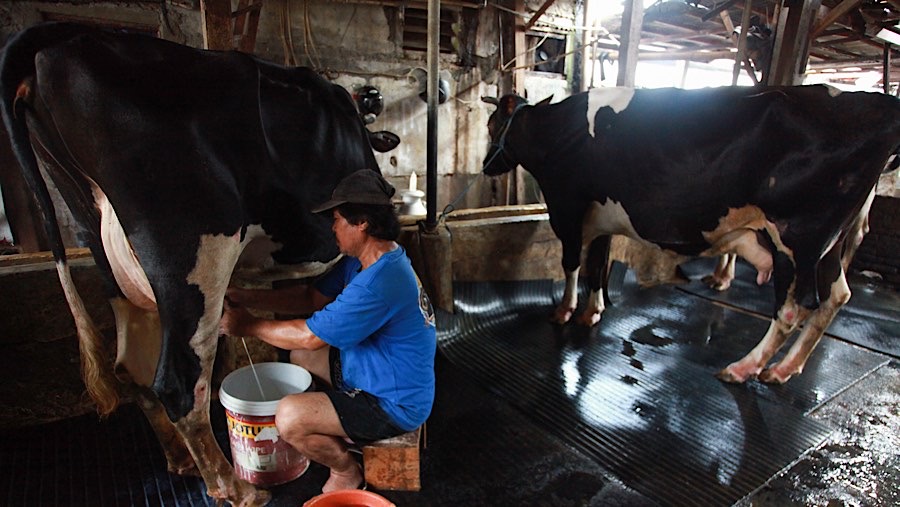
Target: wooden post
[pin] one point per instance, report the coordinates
(215, 24)
(886, 68)
(791, 48)
(520, 48)
(632, 19)
(25, 220)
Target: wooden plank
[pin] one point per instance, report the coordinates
(24, 259)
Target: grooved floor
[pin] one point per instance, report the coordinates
(530, 413)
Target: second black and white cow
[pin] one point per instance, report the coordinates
(174, 160)
(780, 176)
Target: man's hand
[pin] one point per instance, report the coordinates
(236, 320)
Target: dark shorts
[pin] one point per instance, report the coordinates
(361, 416)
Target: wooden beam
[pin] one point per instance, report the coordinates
(791, 49)
(719, 9)
(540, 12)
(215, 24)
(246, 25)
(833, 15)
(740, 57)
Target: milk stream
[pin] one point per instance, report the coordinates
(258, 383)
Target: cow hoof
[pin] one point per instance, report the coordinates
(562, 315)
(260, 499)
(187, 469)
(256, 498)
(772, 376)
(716, 283)
(731, 376)
(589, 319)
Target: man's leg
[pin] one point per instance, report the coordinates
(309, 422)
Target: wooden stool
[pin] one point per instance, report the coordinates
(393, 463)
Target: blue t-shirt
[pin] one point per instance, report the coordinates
(383, 324)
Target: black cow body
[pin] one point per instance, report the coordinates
(781, 176)
(173, 160)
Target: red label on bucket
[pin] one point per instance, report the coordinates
(260, 455)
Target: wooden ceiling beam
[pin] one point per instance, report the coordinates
(833, 15)
(540, 12)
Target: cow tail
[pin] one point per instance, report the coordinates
(17, 73)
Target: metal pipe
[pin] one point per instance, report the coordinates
(432, 90)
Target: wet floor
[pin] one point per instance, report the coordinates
(528, 413)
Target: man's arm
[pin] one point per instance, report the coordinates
(286, 334)
(293, 300)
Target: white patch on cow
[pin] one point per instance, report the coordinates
(257, 248)
(126, 267)
(615, 98)
(832, 90)
(216, 257)
(255, 263)
(608, 218)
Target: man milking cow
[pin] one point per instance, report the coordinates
(371, 339)
(169, 203)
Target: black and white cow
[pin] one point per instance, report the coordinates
(174, 159)
(782, 177)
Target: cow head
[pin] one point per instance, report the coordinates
(500, 158)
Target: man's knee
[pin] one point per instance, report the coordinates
(291, 417)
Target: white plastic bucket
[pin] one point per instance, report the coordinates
(260, 455)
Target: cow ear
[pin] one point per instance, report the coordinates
(491, 100)
(545, 101)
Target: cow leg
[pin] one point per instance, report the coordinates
(721, 278)
(184, 374)
(598, 270)
(833, 281)
(753, 363)
(570, 298)
(786, 320)
(568, 230)
(138, 338)
(856, 232)
(178, 457)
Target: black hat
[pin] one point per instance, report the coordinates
(362, 187)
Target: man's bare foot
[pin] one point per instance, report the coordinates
(351, 479)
